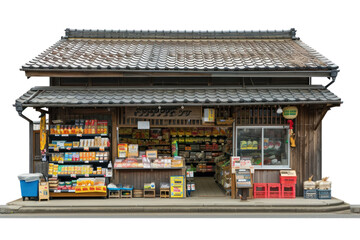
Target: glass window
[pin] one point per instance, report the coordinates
(266, 147)
(249, 144)
(276, 147)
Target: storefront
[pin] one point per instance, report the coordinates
(137, 109)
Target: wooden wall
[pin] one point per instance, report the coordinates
(306, 156)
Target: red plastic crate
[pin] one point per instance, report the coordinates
(288, 191)
(274, 190)
(260, 190)
(288, 180)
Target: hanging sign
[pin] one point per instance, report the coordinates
(290, 112)
(42, 132)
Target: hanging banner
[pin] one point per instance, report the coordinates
(42, 132)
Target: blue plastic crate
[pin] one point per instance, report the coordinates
(323, 194)
(310, 193)
(29, 189)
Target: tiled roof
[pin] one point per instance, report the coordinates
(101, 50)
(93, 96)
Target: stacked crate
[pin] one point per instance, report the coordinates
(288, 182)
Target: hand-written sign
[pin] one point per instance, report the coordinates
(164, 112)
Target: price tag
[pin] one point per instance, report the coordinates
(79, 135)
(102, 149)
(86, 161)
(101, 161)
(65, 135)
(86, 175)
(73, 175)
(54, 175)
(60, 162)
(68, 148)
(103, 134)
(57, 135)
(86, 148)
(57, 191)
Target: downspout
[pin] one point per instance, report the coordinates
(20, 109)
(333, 76)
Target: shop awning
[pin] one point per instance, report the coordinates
(111, 97)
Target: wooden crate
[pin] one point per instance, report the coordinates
(149, 193)
(164, 193)
(123, 195)
(114, 194)
(138, 193)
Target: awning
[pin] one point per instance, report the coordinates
(115, 96)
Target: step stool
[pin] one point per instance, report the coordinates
(164, 193)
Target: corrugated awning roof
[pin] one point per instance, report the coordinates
(159, 51)
(111, 97)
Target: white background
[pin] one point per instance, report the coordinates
(330, 27)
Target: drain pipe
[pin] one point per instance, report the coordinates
(20, 109)
(333, 76)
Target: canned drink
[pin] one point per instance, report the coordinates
(193, 186)
(188, 174)
(188, 186)
(191, 173)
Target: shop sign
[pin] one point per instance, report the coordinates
(42, 133)
(177, 186)
(164, 112)
(290, 112)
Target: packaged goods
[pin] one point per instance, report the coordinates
(133, 150)
(323, 184)
(122, 150)
(309, 184)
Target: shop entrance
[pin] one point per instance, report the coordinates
(206, 151)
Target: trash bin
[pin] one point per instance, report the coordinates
(29, 183)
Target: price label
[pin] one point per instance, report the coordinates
(102, 149)
(57, 191)
(86, 175)
(65, 135)
(79, 135)
(86, 161)
(103, 134)
(60, 162)
(68, 148)
(57, 135)
(101, 161)
(73, 175)
(86, 148)
(54, 175)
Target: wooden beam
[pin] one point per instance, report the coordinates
(323, 113)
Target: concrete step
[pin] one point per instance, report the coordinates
(180, 209)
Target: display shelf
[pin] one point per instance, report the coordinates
(62, 191)
(78, 162)
(77, 135)
(75, 195)
(209, 136)
(77, 175)
(79, 149)
(149, 168)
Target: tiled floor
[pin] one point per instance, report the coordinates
(206, 187)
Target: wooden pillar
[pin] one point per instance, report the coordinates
(114, 125)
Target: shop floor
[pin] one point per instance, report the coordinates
(206, 187)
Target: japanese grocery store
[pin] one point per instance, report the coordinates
(178, 114)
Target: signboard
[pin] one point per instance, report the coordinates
(235, 163)
(143, 124)
(43, 191)
(177, 186)
(290, 112)
(243, 178)
(209, 115)
(164, 112)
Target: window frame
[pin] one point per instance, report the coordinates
(262, 127)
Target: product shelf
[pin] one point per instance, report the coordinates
(76, 175)
(77, 135)
(77, 162)
(78, 149)
(148, 168)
